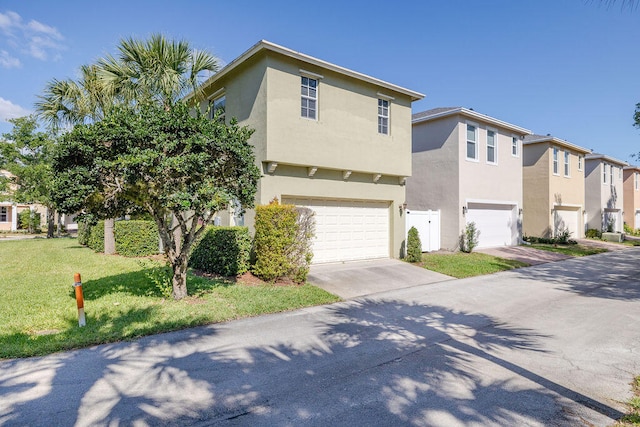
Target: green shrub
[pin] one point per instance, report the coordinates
(469, 238)
(282, 243)
(414, 246)
(136, 238)
(563, 236)
(29, 220)
(222, 250)
(593, 233)
(96, 237)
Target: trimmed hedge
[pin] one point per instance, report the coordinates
(96, 237)
(136, 238)
(84, 231)
(222, 250)
(414, 246)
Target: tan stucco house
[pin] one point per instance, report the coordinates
(553, 185)
(631, 195)
(10, 209)
(328, 138)
(604, 196)
(468, 166)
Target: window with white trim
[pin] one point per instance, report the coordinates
(491, 146)
(218, 107)
(4, 214)
(383, 116)
(611, 174)
(635, 178)
(555, 161)
(567, 164)
(604, 173)
(580, 163)
(620, 173)
(309, 97)
(514, 147)
(472, 142)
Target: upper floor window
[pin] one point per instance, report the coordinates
(491, 146)
(514, 147)
(636, 183)
(620, 173)
(4, 214)
(567, 164)
(611, 174)
(472, 142)
(604, 173)
(383, 116)
(579, 163)
(555, 161)
(309, 97)
(219, 108)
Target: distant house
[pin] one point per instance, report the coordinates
(469, 166)
(631, 191)
(326, 137)
(554, 186)
(10, 209)
(604, 195)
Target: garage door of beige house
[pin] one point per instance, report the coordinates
(347, 230)
(566, 220)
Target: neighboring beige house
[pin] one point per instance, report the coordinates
(553, 185)
(604, 196)
(469, 166)
(325, 137)
(9, 209)
(631, 191)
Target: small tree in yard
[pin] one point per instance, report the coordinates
(414, 246)
(180, 168)
(469, 238)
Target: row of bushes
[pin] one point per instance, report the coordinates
(280, 249)
(563, 240)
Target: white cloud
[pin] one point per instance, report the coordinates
(8, 61)
(41, 41)
(9, 110)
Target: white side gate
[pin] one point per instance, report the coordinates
(428, 225)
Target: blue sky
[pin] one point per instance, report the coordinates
(569, 68)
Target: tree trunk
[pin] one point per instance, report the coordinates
(50, 222)
(179, 277)
(59, 225)
(109, 237)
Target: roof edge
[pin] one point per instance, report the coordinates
(558, 141)
(474, 115)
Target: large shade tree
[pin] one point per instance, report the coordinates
(179, 167)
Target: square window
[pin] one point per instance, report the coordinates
(4, 214)
(218, 108)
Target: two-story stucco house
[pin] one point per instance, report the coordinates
(553, 184)
(631, 195)
(469, 166)
(327, 138)
(604, 196)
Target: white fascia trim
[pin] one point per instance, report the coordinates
(558, 141)
(631, 167)
(477, 116)
(606, 158)
(266, 45)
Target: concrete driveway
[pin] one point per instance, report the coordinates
(524, 254)
(359, 278)
(551, 345)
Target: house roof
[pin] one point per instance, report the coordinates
(604, 157)
(632, 167)
(264, 45)
(537, 139)
(440, 112)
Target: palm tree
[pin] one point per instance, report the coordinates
(69, 102)
(156, 70)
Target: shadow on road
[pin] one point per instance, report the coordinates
(381, 362)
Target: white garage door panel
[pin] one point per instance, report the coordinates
(495, 222)
(565, 219)
(348, 230)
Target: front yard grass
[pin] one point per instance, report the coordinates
(123, 298)
(632, 418)
(570, 250)
(460, 264)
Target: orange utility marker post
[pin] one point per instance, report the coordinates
(79, 299)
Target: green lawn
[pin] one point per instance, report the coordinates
(632, 418)
(460, 264)
(570, 250)
(38, 313)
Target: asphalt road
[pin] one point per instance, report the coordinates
(555, 344)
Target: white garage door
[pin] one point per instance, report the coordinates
(348, 230)
(566, 220)
(637, 224)
(496, 223)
